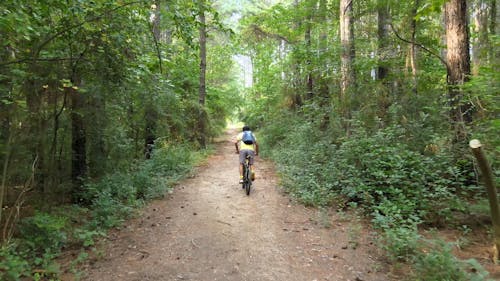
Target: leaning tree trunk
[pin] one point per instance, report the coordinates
(458, 59)
(489, 182)
(347, 60)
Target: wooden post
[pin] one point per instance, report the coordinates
(492, 193)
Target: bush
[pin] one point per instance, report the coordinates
(43, 234)
(168, 165)
(108, 203)
(12, 265)
(439, 264)
(395, 184)
(400, 243)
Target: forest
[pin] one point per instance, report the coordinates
(364, 105)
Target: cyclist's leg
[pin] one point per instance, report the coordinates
(251, 165)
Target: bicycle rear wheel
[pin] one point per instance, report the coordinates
(247, 182)
(248, 185)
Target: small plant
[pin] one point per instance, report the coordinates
(82, 257)
(43, 234)
(400, 243)
(87, 237)
(12, 265)
(439, 264)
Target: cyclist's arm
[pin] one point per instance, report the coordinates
(236, 145)
(256, 148)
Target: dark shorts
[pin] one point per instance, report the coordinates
(243, 155)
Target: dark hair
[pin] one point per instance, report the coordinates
(246, 128)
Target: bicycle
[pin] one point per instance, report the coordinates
(247, 181)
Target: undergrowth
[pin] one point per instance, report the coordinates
(399, 181)
(111, 200)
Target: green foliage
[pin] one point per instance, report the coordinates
(43, 233)
(390, 148)
(400, 243)
(397, 185)
(12, 265)
(110, 201)
(167, 166)
(439, 264)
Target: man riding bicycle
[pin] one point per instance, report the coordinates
(246, 145)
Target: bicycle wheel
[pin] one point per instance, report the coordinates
(247, 187)
(247, 182)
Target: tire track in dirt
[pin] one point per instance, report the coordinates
(208, 229)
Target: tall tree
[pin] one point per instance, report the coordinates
(202, 90)
(310, 9)
(347, 82)
(383, 34)
(480, 45)
(150, 112)
(458, 59)
(78, 140)
(413, 45)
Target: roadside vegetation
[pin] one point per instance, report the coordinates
(362, 115)
(100, 112)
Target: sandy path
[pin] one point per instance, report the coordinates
(208, 229)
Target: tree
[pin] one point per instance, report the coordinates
(383, 34)
(347, 82)
(202, 90)
(481, 44)
(458, 60)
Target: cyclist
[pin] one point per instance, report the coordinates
(246, 144)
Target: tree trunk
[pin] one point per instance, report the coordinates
(413, 46)
(489, 182)
(383, 34)
(5, 108)
(481, 43)
(78, 142)
(495, 17)
(458, 59)
(495, 29)
(307, 37)
(97, 152)
(157, 20)
(203, 69)
(347, 82)
(151, 118)
(36, 138)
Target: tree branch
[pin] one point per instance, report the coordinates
(95, 18)
(443, 61)
(157, 47)
(259, 31)
(65, 30)
(35, 60)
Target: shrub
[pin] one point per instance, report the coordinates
(168, 165)
(400, 243)
(439, 264)
(43, 234)
(12, 265)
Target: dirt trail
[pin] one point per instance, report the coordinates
(208, 229)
